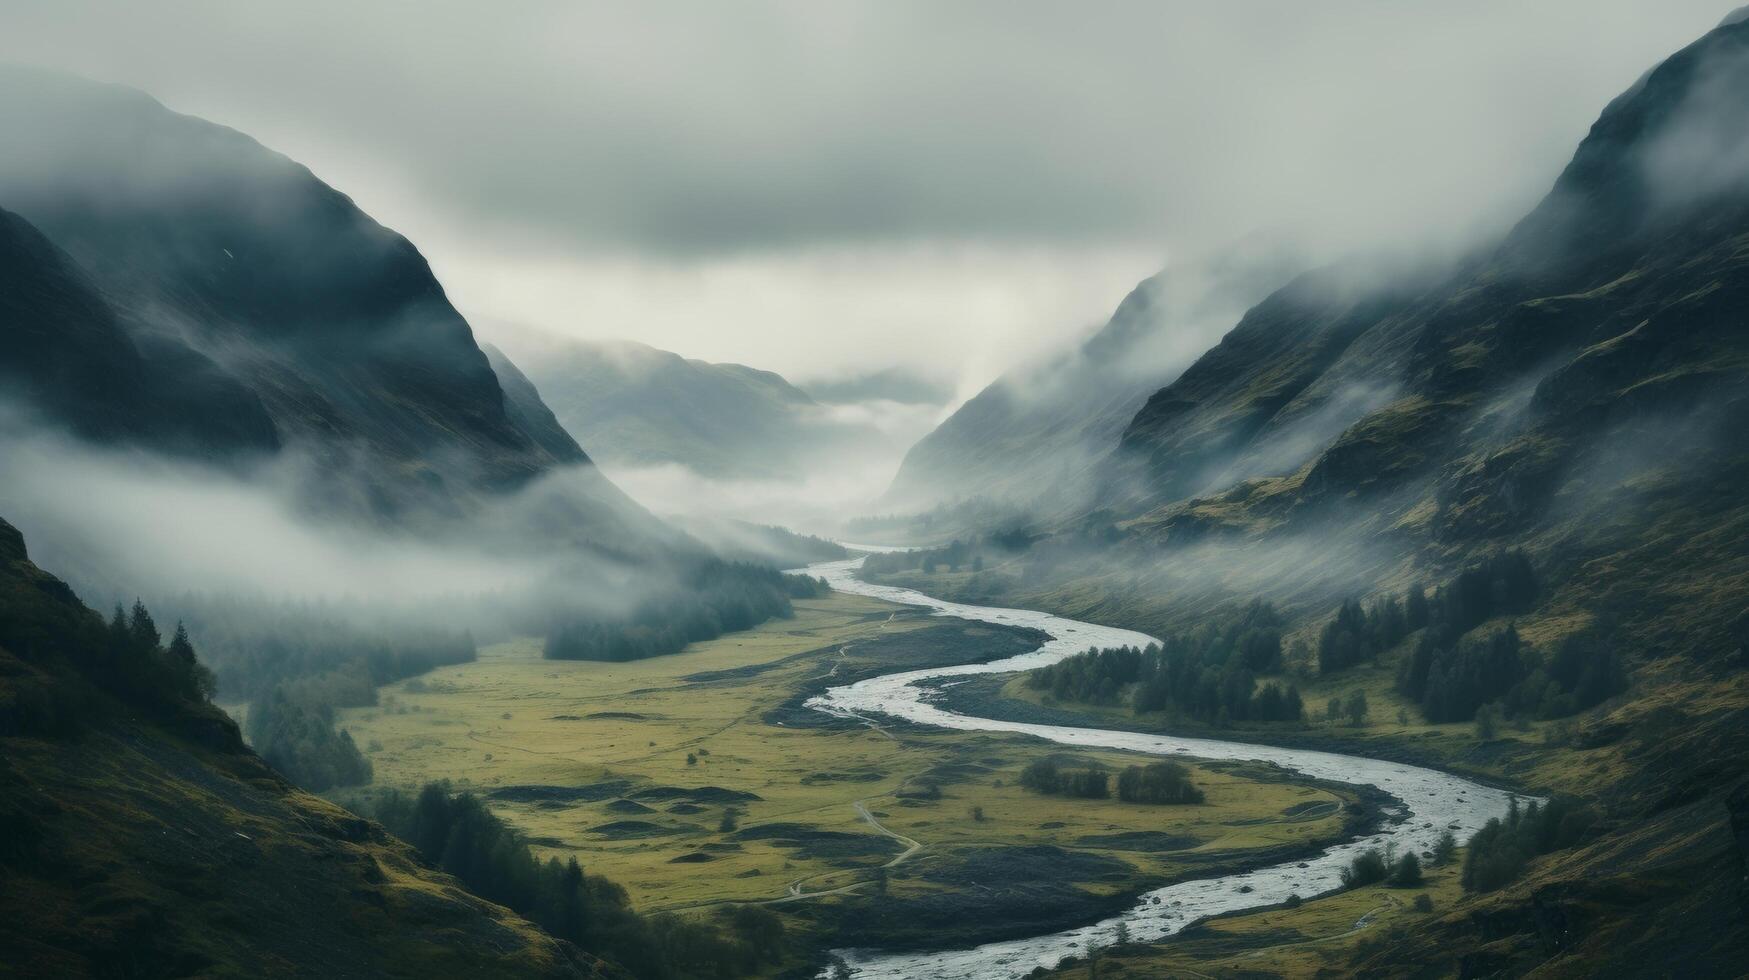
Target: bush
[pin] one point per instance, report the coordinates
(1424, 902)
(1368, 868)
(1160, 782)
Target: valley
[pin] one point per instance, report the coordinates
(1312, 538)
(701, 779)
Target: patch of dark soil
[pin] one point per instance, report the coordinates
(810, 842)
(636, 829)
(853, 776)
(716, 795)
(554, 796)
(1146, 841)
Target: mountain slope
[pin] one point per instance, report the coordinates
(200, 239)
(1577, 394)
(636, 406)
(1035, 436)
(142, 839)
(66, 352)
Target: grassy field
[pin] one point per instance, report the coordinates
(636, 767)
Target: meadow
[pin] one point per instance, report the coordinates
(698, 779)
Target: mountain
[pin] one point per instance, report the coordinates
(1034, 437)
(141, 838)
(887, 384)
(636, 406)
(1573, 396)
(270, 314)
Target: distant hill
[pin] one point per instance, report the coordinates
(636, 406)
(266, 312)
(888, 384)
(1034, 436)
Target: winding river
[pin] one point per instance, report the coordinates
(1431, 802)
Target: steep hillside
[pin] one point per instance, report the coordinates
(1575, 394)
(636, 406)
(67, 354)
(242, 269)
(142, 839)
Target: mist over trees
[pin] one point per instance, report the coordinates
(298, 737)
(717, 598)
(1502, 586)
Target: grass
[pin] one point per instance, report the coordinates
(541, 733)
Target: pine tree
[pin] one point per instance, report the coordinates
(141, 630)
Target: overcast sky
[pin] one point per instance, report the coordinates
(815, 187)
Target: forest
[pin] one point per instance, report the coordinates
(1208, 674)
(715, 598)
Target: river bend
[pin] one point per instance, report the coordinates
(1432, 801)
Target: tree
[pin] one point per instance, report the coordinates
(141, 630)
(978, 563)
(840, 969)
(1407, 872)
(1487, 721)
(1333, 709)
(1445, 851)
(691, 759)
(977, 814)
(1356, 707)
(1367, 868)
(1122, 938)
(196, 681)
(729, 822)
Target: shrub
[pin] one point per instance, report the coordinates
(1367, 868)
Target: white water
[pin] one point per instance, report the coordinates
(1433, 802)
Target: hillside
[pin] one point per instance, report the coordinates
(143, 839)
(635, 406)
(1574, 393)
(258, 295)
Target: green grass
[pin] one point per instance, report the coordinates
(512, 719)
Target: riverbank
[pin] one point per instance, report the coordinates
(1433, 801)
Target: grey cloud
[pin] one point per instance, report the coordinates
(700, 127)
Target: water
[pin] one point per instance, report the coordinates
(1432, 802)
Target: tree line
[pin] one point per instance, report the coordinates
(1501, 586)
(714, 598)
(1156, 783)
(1500, 851)
(458, 834)
(1208, 673)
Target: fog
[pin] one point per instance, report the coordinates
(731, 183)
(119, 523)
